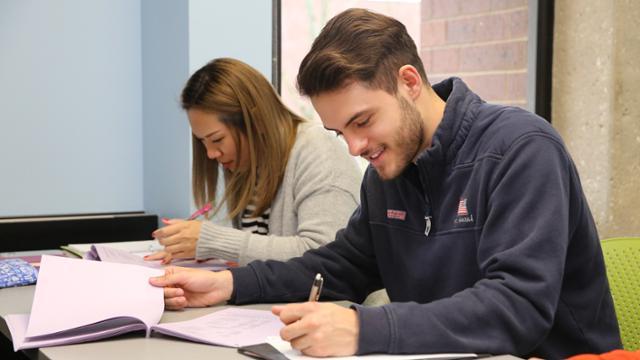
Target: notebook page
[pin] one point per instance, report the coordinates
(73, 292)
(232, 327)
(113, 254)
(116, 255)
(138, 246)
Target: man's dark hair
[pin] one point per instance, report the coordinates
(360, 45)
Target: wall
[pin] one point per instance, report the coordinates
(240, 29)
(70, 107)
(596, 106)
(484, 42)
(89, 99)
(166, 137)
(178, 38)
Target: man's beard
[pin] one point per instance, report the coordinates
(408, 139)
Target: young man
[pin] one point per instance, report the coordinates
(472, 217)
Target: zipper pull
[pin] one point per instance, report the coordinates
(427, 225)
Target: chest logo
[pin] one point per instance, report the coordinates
(463, 215)
(396, 214)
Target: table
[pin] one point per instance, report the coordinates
(129, 346)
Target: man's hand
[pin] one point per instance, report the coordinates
(179, 238)
(319, 329)
(185, 287)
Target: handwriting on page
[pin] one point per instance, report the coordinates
(229, 324)
(229, 327)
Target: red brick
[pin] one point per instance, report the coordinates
(426, 12)
(433, 33)
(475, 6)
(490, 87)
(516, 87)
(445, 8)
(476, 29)
(460, 31)
(517, 24)
(508, 4)
(505, 56)
(444, 60)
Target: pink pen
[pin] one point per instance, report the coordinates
(195, 215)
(206, 208)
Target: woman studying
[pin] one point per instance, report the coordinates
(288, 186)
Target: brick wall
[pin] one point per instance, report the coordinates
(484, 42)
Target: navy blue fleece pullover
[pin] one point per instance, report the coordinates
(485, 244)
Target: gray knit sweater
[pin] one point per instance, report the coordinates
(318, 194)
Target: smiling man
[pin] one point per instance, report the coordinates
(472, 217)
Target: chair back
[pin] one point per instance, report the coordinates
(622, 259)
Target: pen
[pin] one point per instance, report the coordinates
(206, 208)
(203, 210)
(316, 288)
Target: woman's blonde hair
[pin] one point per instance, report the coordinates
(248, 105)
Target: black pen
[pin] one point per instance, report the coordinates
(316, 288)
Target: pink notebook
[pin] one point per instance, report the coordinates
(82, 300)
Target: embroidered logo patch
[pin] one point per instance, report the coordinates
(463, 215)
(396, 214)
(462, 208)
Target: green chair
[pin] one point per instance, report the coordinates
(622, 258)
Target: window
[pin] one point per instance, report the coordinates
(493, 45)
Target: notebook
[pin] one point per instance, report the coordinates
(80, 300)
(137, 247)
(132, 252)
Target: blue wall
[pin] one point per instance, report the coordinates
(89, 98)
(165, 59)
(240, 29)
(70, 107)
(177, 40)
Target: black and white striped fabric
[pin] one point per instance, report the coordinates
(257, 225)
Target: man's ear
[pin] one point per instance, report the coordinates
(410, 81)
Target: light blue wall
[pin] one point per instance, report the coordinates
(70, 107)
(240, 29)
(173, 49)
(165, 57)
(90, 120)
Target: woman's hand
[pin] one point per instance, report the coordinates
(179, 238)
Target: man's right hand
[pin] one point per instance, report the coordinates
(184, 287)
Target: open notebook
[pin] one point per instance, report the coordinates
(132, 252)
(81, 300)
(105, 252)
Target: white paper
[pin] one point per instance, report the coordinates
(228, 327)
(72, 292)
(138, 246)
(285, 348)
(109, 253)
